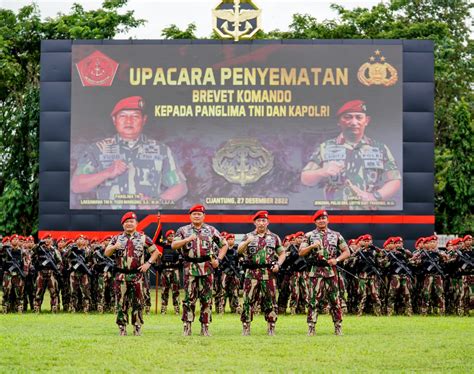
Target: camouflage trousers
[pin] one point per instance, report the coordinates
(147, 295)
(129, 291)
(321, 288)
(65, 290)
(79, 283)
(432, 294)
(13, 288)
(342, 292)
(169, 279)
(46, 279)
(230, 285)
(29, 291)
(298, 289)
(369, 287)
(467, 293)
(266, 289)
(194, 288)
(218, 291)
(399, 286)
(284, 293)
(105, 290)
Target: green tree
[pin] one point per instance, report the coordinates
(20, 39)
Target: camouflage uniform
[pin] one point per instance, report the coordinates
(432, 286)
(30, 272)
(399, 283)
(298, 290)
(467, 288)
(324, 280)
(230, 281)
(151, 167)
(198, 271)
(79, 279)
(46, 260)
(368, 165)
(129, 282)
(13, 281)
(259, 278)
(105, 280)
(169, 277)
(369, 283)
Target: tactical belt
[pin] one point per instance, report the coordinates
(257, 266)
(172, 266)
(197, 260)
(127, 271)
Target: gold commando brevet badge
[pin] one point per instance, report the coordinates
(242, 161)
(237, 22)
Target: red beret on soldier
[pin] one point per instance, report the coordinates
(169, 232)
(260, 214)
(128, 215)
(352, 106)
(467, 237)
(197, 208)
(320, 213)
(419, 241)
(5, 239)
(80, 236)
(128, 103)
(298, 234)
(230, 236)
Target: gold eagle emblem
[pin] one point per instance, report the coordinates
(377, 72)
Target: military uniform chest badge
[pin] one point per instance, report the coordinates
(242, 161)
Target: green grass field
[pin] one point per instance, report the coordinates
(90, 343)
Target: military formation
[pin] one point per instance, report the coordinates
(306, 273)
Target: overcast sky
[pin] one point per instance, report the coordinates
(277, 14)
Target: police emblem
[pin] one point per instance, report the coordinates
(238, 21)
(242, 161)
(377, 72)
(97, 69)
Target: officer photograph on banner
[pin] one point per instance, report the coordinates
(284, 127)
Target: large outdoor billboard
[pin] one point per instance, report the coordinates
(237, 127)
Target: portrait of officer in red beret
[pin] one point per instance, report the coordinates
(129, 162)
(352, 166)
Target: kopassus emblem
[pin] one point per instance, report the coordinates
(97, 69)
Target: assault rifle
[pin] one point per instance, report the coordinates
(14, 265)
(466, 260)
(80, 261)
(324, 263)
(48, 259)
(228, 263)
(398, 264)
(107, 262)
(370, 265)
(432, 264)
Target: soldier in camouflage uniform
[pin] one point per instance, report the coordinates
(47, 261)
(368, 261)
(169, 274)
(400, 275)
(230, 279)
(353, 167)
(263, 256)
(129, 162)
(13, 260)
(467, 290)
(104, 269)
(80, 264)
(30, 273)
(324, 249)
(129, 250)
(196, 242)
(298, 282)
(430, 259)
(63, 279)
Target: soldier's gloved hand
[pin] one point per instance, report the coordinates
(117, 168)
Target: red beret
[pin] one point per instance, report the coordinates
(260, 214)
(197, 208)
(352, 106)
(419, 241)
(319, 213)
(397, 239)
(48, 235)
(454, 241)
(169, 232)
(62, 239)
(367, 237)
(128, 103)
(229, 236)
(108, 237)
(14, 236)
(299, 233)
(224, 234)
(128, 215)
(467, 237)
(351, 241)
(432, 237)
(5, 239)
(80, 236)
